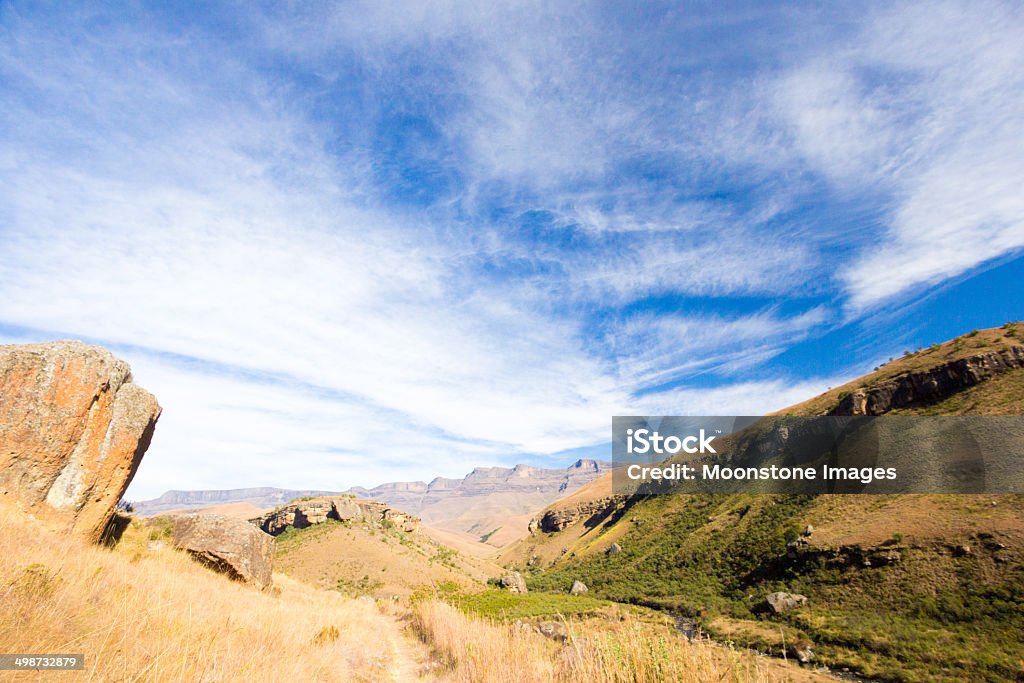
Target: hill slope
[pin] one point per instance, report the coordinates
(146, 612)
(905, 587)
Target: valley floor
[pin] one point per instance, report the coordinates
(143, 611)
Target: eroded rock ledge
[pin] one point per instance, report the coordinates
(930, 386)
(560, 518)
(73, 430)
(304, 513)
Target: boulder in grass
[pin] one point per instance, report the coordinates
(514, 582)
(228, 545)
(777, 603)
(554, 630)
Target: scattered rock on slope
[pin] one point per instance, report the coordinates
(778, 603)
(73, 430)
(554, 630)
(578, 588)
(228, 545)
(514, 582)
(801, 650)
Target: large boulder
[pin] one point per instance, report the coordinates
(228, 545)
(73, 430)
(554, 630)
(514, 582)
(802, 650)
(578, 588)
(777, 603)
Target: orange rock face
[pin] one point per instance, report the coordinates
(73, 430)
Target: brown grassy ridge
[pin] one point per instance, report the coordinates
(974, 343)
(154, 615)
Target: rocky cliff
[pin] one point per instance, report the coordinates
(930, 385)
(316, 510)
(73, 430)
(483, 481)
(557, 519)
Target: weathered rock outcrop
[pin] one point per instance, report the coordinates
(559, 518)
(554, 630)
(777, 603)
(73, 430)
(228, 545)
(802, 650)
(932, 385)
(304, 513)
(514, 582)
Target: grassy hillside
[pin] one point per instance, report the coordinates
(367, 559)
(145, 612)
(906, 587)
(142, 614)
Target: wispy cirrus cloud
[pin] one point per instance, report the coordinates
(923, 106)
(391, 241)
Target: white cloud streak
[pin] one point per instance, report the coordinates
(924, 105)
(162, 194)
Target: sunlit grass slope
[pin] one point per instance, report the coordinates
(154, 615)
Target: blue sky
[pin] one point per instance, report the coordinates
(347, 243)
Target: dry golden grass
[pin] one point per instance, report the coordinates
(154, 615)
(481, 651)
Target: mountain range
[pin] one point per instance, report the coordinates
(490, 505)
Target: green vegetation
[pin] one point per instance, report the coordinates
(358, 587)
(486, 537)
(445, 556)
(679, 562)
(160, 528)
(502, 604)
(927, 616)
(292, 538)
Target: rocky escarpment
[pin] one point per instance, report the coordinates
(930, 386)
(559, 518)
(73, 430)
(316, 510)
(484, 481)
